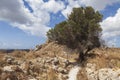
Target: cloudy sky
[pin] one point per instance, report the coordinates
(24, 23)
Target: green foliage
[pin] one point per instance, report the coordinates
(80, 31)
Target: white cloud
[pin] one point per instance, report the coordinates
(111, 28)
(111, 25)
(19, 16)
(68, 9)
(36, 23)
(112, 42)
(53, 6)
(96, 4)
(13, 11)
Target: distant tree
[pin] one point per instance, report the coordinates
(80, 31)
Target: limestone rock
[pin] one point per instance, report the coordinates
(8, 68)
(9, 59)
(66, 63)
(62, 70)
(109, 74)
(55, 61)
(101, 74)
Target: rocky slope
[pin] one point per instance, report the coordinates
(51, 61)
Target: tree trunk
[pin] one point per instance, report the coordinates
(81, 56)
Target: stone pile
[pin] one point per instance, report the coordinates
(33, 69)
(102, 74)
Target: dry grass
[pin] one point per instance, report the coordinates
(53, 49)
(114, 58)
(100, 62)
(52, 75)
(82, 75)
(1, 56)
(18, 54)
(2, 61)
(109, 57)
(31, 55)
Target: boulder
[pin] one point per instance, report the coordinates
(61, 70)
(8, 68)
(65, 77)
(9, 59)
(55, 61)
(66, 63)
(49, 60)
(33, 79)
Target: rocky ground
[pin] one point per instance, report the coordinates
(57, 62)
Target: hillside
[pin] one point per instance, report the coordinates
(52, 61)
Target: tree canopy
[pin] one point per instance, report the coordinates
(80, 31)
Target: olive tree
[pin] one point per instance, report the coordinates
(80, 31)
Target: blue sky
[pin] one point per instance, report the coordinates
(24, 23)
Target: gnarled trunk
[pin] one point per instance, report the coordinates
(81, 56)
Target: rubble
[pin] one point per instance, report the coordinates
(102, 74)
(51, 66)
